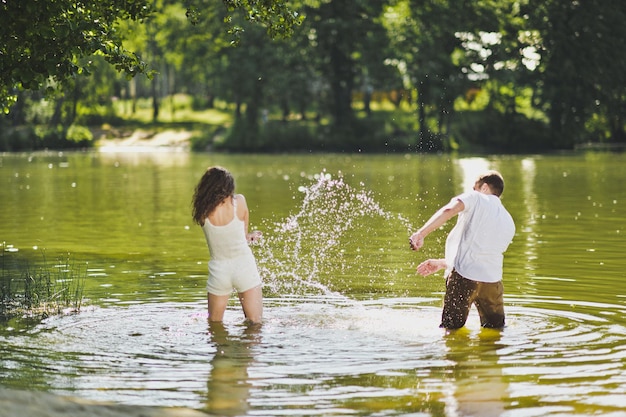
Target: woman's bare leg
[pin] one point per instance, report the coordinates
(252, 304)
(217, 305)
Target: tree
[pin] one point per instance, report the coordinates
(426, 40)
(583, 67)
(41, 42)
(277, 16)
(340, 35)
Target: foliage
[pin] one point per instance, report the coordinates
(42, 42)
(372, 134)
(480, 74)
(346, 40)
(40, 137)
(79, 134)
(205, 140)
(583, 69)
(272, 136)
(492, 131)
(277, 16)
(38, 289)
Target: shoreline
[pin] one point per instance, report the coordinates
(15, 402)
(143, 140)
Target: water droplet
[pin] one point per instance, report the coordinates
(300, 250)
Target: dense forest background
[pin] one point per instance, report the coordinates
(319, 75)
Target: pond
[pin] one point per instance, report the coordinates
(349, 328)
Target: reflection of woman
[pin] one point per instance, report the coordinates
(228, 389)
(224, 218)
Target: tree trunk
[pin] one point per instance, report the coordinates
(421, 119)
(342, 81)
(155, 99)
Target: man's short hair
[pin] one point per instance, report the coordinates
(494, 180)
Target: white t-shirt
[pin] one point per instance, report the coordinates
(475, 247)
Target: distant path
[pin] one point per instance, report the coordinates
(142, 140)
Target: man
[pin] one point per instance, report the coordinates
(473, 253)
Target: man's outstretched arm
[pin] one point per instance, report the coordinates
(435, 222)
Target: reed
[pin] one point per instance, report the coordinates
(38, 288)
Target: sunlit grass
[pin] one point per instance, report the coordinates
(177, 109)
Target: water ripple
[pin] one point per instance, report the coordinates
(330, 357)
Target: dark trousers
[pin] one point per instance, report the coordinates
(461, 293)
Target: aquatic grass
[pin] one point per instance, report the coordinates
(38, 288)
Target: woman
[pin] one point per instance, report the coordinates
(223, 216)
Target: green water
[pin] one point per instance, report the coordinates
(350, 328)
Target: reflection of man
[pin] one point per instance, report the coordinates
(480, 389)
(228, 387)
(474, 253)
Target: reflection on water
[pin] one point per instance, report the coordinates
(349, 328)
(479, 387)
(228, 387)
(384, 357)
(471, 168)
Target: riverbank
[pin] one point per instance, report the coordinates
(42, 404)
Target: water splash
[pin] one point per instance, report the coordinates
(325, 239)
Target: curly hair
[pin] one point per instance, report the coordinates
(215, 185)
